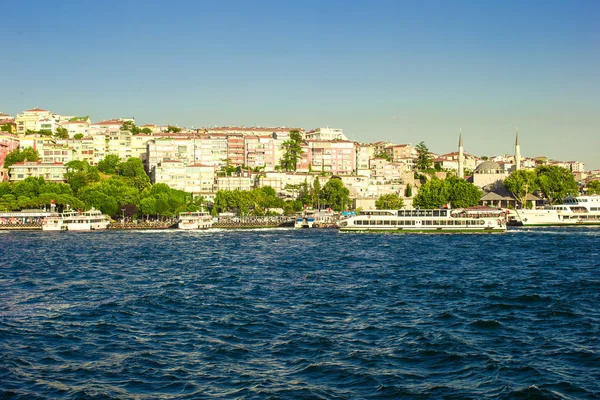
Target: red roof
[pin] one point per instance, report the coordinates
(109, 122)
(36, 110)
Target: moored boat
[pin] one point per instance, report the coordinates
(580, 210)
(53, 222)
(91, 220)
(195, 220)
(475, 219)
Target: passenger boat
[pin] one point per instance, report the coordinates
(580, 210)
(304, 222)
(76, 221)
(53, 222)
(195, 220)
(475, 219)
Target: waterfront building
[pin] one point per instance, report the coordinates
(51, 172)
(197, 179)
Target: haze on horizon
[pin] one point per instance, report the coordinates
(380, 70)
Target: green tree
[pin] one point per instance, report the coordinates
(424, 159)
(173, 129)
(437, 193)
(18, 155)
(462, 193)
(389, 202)
(6, 128)
(148, 206)
(521, 183)
(556, 182)
(408, 191)
(109, 164)
(593, 187)
(61, 133)
(130, 127)
(78, 136)
(316, 193)
(146, 131)
(292, 151)
(335, 194)
(433, 194)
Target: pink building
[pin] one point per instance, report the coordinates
(8, 143)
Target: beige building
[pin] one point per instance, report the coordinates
(29, 119)
(57, 154)
(52, 172)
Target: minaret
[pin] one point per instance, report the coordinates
(517, 152)
(461, 158)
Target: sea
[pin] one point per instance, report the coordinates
(300, 314)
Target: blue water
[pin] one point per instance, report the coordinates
(299, 314)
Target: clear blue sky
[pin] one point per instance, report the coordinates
(381, 70)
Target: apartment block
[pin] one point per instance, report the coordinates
(52, 172)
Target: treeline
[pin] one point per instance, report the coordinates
(546, 181)
(264, 201)
(113, 187)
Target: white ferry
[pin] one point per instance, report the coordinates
(195, 220)
(53, 222)
(475, 219)
(581, 210)
(76, 221)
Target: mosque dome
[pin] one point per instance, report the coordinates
(489, 167)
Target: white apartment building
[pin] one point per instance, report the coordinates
(46, 124)
(234, 183)
(77, 125)
(52, 172)
(200, 179)
(126, 145)
(83, 149)
(326, 134)
(363, 156)
(163, 149)
(105, 127)
(574, 166)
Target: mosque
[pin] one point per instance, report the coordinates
(489, 177)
